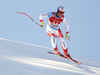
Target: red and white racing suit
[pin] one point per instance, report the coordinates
(53, 29)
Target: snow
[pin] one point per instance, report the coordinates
(18, 58)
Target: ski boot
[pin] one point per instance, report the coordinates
(67, 55)
(57, 52)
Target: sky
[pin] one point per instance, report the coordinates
(82, 16)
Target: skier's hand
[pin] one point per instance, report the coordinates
(42, 25)
(67, 36)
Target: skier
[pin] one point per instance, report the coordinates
(53, 30)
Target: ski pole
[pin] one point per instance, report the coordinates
(69, 39)
(28, 16)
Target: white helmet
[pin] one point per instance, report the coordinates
(60, 8)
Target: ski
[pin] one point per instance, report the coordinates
(61, 55)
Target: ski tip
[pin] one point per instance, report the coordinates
(16, 11)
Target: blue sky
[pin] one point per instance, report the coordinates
(83, 17)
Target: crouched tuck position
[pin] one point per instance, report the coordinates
(53, 30)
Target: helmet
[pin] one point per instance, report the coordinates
(60, 8)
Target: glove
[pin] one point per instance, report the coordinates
(67, 36)
(42, 25)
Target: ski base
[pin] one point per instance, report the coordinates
(61, 55)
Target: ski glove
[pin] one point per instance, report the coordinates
(42, 25)
(67, 36)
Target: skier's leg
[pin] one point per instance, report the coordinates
(63, 44)
(50, 32)
(53, 42)
(64, 47)
(54, 45)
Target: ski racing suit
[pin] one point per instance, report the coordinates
(53, 29)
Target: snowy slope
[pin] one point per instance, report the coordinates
(18, 58)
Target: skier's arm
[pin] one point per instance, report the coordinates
(66, 28)
(66, 25)
(41, 19)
